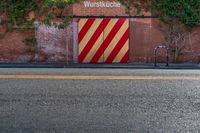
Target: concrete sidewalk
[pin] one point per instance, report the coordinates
(111, 66)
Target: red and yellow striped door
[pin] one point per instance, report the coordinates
(103, 40)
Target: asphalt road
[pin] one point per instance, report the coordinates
(144, 105)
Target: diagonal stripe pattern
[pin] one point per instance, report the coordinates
(103, 40)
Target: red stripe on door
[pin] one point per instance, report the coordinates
(93, 39)
(85, 29)
(117, 48)
(125, 58)
(107, 41)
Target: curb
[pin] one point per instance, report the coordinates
(30, 66)
(104, 66)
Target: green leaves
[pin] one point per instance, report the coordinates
(17, 11)
(185, 11)
(59, 3)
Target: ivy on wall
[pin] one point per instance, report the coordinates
(137, 4)
(16, 12)
(185, 11)
(21, 14)
(180, 16)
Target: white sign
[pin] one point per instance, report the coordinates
(102, 4)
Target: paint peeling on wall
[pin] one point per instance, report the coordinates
(51, 44)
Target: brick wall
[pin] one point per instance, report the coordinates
(51, 44)
(145, 35)
(13, 49)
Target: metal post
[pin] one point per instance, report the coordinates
(67, 46)
(37, 54)
(167, 57)
(75, 41)
(155, 57)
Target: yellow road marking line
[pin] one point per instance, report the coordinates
(100, 77)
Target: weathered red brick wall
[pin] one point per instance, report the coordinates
(145, 35)
(51, 44)
(55, 45)
(190, 51)
(13, 49)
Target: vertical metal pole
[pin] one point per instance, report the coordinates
(129, 32)
(75, 41)
(155, 57)
(167, 57)
(67, 46)
(37, 57)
